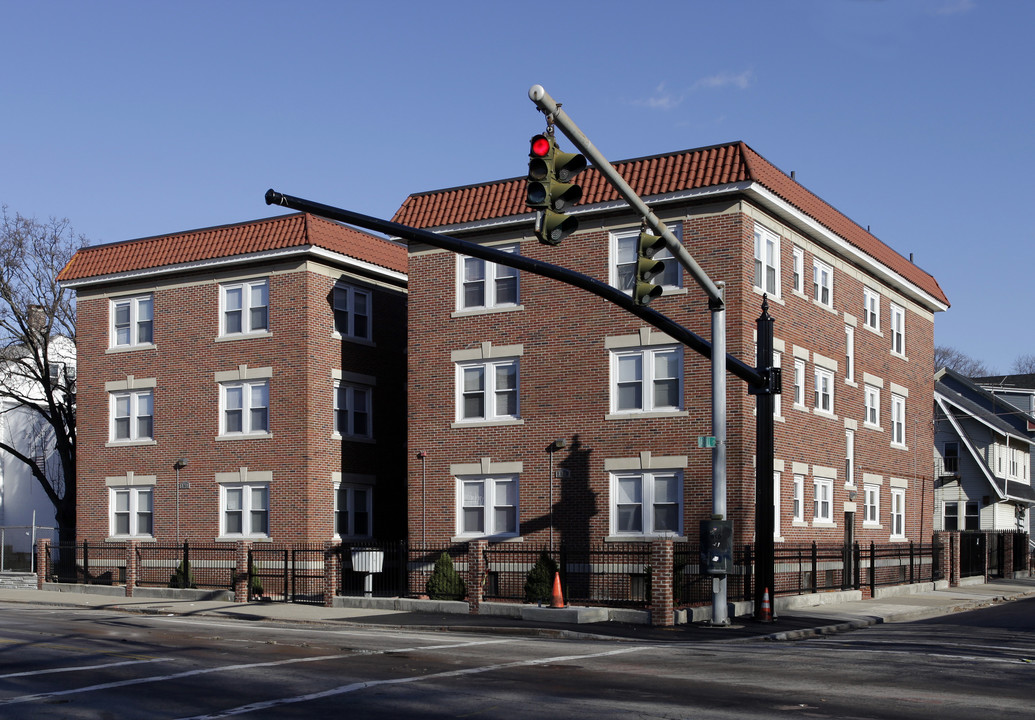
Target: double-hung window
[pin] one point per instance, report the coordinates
(353, 510)
(849, 354)
(823, 397)
(798, 498)
(244, 307)
(352, 410)
(487, 390)
(822, 283)
(351, 312)
(131, 511)
(132, 416)
(244, 510)
(798, 266)
(647, 380)
(972, 519)
(487, 505)
(822, 501)
(872, 407)
(767, 261)
(647, 503)
(951, 457)
(132, 322)
(871, 504)
(898, 513)
(486, 285)
(871, 309)
(951, 516)
(799, 383)
(625, 255)
(244, 408)
(849, 456)
(898, 330)
(898, 420)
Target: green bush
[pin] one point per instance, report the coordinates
(445, 582)
(183, 577)
(539, 583)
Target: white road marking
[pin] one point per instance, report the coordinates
(77, 669)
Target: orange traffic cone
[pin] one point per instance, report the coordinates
(557, 601)
(767, 609)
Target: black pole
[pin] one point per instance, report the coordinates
(765, 521)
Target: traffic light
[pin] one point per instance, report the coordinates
(647, 268)
(717, 547)
(550, 190)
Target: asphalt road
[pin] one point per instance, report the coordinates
(61, 663)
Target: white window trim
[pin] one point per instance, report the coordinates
(246, 408)
(871, 320)
(819, 375)
(849, 457)
(799, 385)
(647, 487)
(898, 331)
(898, 421)
(351, 489)
(798, 499)
(246, 509)
(849, 355)
(135, 322)
(134, 512)
(871, 491)
(350, 293)
(898, 514)
(664, 255)
(489, 508)
(777, 494)
(822, 279)
(246, 287)
(798, 269)
(822, 494)
(135, 397)
(488, 392)
(871, 400)
(349, 431)
(492, 274)
(764, 237)
(647, 380)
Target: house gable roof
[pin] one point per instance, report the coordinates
(710, 167)
(294, 231)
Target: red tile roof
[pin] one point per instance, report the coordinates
(297, 230)
(657, 175)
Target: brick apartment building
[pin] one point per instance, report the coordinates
(538, 412)
(241, 382)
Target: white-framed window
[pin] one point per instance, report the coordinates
(487, 390)
(484, 285)
(871, 309)
(647, 503)
(767, 261)
(822, 283)
(353, 511)
(487, 506)
(244, 510)
(849, 456)
(898, 329)
(777, 494)
(871, 395)
(898, 513)
(951, 457)
(798, 498)
(778, 398)
(798, 265)
(951, 516)
(898, 420)
(823, 396)
(244, 408)
(799, 382)
(871, 504)
(647, 379)
(132, 415)
(244, 307)
(972, 517)
(822, 500)
(132, 321)
(849, 353)
(351, 307)
(131, 512)
(625, 254)
(352, 410)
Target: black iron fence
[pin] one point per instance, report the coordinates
(186, 566)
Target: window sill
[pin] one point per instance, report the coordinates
(872, 526)
(130, 348)
(130, 443)
(245, 538)
(490, 538)
(644, 538)
(486, 423)
(829, 308)
(851, 383)
(335, 335)
(898, 446)
(244, 336)
(823, 413)
(900, 356)
(127, 538)
(354, 438)
(244, 436)
(801, 408)
(468, 312)
(875, 331)
(644, 415)
(826, 524)
(875, 428)
(898, 539)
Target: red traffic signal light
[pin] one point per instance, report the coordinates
(540, 146)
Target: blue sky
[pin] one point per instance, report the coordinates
(913, 117)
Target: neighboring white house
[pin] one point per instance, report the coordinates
(983, 458)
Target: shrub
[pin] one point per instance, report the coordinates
(445, 582)
(539, 583)
(183, 577)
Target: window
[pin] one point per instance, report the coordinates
(353, 510)
(898, 420)
(850, 457)
(951, 457)
(625, 254)
(132, 416)
(767, 261)
(352, 410)
(483, 284)
(647, 380)
(487, 390)
(871, 504)
(776, 505)
(824, 390)
(898, 513)
(871, 309)
(351, 308)
(798, 262)
(898, 330)
(777, 399)
(245, 408)
(132, 322)
(131, 512)
(244, 510)
(849, 353)
(799, 383)
(798, 498)
(972, 519)
(872, 400)
(488, 505)
(647, 503)
(951, 516)
(822, 283)
(245, 308)
(822, 506)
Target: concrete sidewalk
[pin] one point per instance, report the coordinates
(796, 617)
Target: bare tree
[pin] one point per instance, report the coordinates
(959, 361)
(1024, 364)
(37, 351)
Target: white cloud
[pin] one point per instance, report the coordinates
(665, 99)
(741, 80)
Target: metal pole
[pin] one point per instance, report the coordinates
(720, 608)
(764, 446)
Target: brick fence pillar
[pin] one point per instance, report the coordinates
(662, 609)
(954, 559)
(241, 579)
(331, 572)
(42, 561)
(131, 567)
(475, 574)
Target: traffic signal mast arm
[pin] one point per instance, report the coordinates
(547, 105)
(536, 267)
